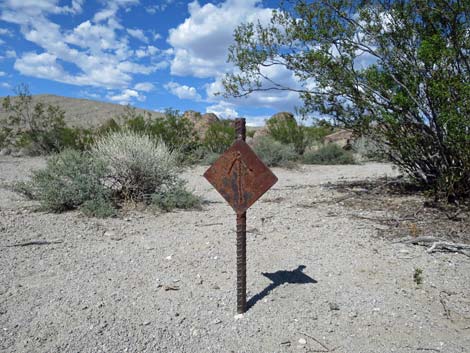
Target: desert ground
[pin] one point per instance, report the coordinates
(327, 270)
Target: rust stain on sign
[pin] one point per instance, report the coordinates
(240, 176)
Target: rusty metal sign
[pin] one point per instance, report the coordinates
(240, 176)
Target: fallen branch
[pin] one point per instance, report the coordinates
(451, 247)
(438, 245)
(209, 224)
(36, 242)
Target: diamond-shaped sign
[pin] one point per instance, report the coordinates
(240, 176)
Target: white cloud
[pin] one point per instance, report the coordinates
(138, 34)
(41, 65)
(96, 52)
(201, 42)
(153, 9)
(274, 99)
(144, 86)
(2, 74)
(126, 96)
(5, 32)
(223, 110)
(10, 54)
(200, 48)
(183, 91)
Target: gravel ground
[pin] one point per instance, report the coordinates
(319, 280)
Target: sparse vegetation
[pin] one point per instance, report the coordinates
(328, 154)
(219, 136)
(418, 276)
(70, 179)
(136, 165)
(287, 131)
(175, 197)
(275, 154)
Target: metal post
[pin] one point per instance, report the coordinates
(240, 130)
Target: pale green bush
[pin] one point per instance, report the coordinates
(137, 165)
(274, 153)
(70, 179)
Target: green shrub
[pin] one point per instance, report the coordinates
(275, 154)
(176, 131)
(219, 136)
(136, 165)
(316, 133)
(175, 197)
(328, 154)
(287, 131)
(70, 179)
(99, 207)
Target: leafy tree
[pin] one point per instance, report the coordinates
(219, 136)
(287, 131)
(397, 70)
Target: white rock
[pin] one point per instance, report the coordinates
(238, 316)
(302, 341)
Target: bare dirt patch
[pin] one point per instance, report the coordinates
(319, 277)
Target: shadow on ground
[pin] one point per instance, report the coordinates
(279, 278)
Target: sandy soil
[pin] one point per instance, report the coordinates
(320, 278)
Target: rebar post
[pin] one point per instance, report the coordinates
(240, 130)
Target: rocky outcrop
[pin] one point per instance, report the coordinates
(342, 138)
(200, 121)
(283, 116)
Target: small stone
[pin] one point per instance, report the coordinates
(302, 341)
(404, 251)
(217, 321)
(146, 323)
(238, 316)
(168, 257)
(333, 306)
(352, 314)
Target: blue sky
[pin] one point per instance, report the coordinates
(151, 54)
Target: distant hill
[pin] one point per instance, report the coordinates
(83, 112)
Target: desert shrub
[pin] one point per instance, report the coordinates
(219, 136)
(328, 154)
(70, 179)
(176, 131)
(317, 132)
(136, 164)
(175, 197)
(287, 131)
(108, 127)
(99, 207)
(275, 154)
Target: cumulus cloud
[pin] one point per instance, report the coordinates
(96, 51)
(126, 96)
(214, 24)
(223, 109)
(138, 34)
(144, 86)
(183, 91)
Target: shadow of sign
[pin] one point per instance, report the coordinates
(279, 278)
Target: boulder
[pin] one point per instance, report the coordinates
(201, 122)
(283, 116)
(342, 138)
